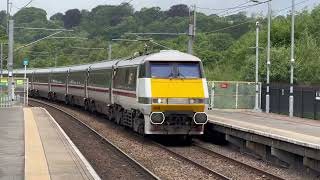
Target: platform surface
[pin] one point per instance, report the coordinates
(298, 131)
(11, 144)
(33, 146)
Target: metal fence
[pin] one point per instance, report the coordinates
(306, 100)
(233, 95)
(20, 97)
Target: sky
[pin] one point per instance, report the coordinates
(54, 6)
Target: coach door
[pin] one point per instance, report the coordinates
(86, 83)
(49, 82)
(67, 82)
(32, 80)
(114, 71)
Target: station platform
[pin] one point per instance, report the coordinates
(33, 146)
(270, 134)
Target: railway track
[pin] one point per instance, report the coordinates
(184, 158)
(185, 153)
(177, 153)
(209, 152)
(131, 168)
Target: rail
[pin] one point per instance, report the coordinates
(210, 152)
(210, 171)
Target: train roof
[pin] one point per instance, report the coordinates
(171, 55)
(164, 55)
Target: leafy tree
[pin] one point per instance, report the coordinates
(29, 15)
(227, 53)
(3, 25)
(57, 17)
(181, 10)
(148, 15)
(72, 18)
(3, 18)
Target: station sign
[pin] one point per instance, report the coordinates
(3, 82)
(318, 95)
(224, 86)
(25, 61)
(20, 82)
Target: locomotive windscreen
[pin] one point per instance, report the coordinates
(175, 70)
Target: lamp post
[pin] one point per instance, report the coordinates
(268, 59)
(291, 98)
(256, 107)
(1, 59)
(10, 61)
(268, 54)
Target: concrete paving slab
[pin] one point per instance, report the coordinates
(11, 143)
(63, 161)
(34, 130)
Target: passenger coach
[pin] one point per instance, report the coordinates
(160, 93)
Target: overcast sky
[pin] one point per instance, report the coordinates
(54, 6)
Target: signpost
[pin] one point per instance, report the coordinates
(25, 63)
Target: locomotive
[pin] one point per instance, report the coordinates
(163, 93)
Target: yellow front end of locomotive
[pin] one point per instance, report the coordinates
(178, 95)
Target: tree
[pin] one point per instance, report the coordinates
(226, 53)
(72, 18)
(57, 17)
(3, 18)
(181, 10)
(122, 11)
(29, 15)
(148, 15)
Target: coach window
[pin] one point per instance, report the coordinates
(77, 78)
(58, 78)
(131, 78)
(100, 78)
(96, 78)
(42, 78)
(108, 77)
(119, 82)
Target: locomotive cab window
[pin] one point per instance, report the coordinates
(188, 70)
(125, 78)
(176, 70)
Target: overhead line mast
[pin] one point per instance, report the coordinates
(192, 30)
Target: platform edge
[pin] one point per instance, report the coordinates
(83, 159)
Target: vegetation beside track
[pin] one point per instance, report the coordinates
(226, 52)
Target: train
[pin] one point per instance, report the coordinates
(162, 93)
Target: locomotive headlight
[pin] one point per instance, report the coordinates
(196, 101)
(159, 101)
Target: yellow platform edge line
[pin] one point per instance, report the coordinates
(36, 167)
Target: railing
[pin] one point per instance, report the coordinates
(233, 95)
(20, 97)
